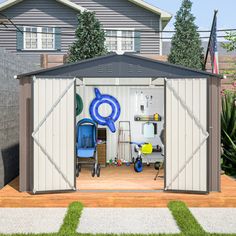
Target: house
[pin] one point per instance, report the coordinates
(47, 27)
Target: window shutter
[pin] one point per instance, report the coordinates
(58, 39)
(137, 41)
(19, 39)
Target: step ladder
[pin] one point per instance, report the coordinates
(124, 149)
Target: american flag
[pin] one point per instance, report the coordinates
(213, 48)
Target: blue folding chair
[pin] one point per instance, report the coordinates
(86, 146)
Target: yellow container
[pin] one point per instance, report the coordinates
(147, 148)
(156, 117)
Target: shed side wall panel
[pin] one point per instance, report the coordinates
(215, 134)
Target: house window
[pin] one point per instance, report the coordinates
(127, 41)
(111, 40)
(120, 40)
(47, 38)
(39, 38)
(31, 41)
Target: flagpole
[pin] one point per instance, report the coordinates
(208, 47)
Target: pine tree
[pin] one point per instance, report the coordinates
(90, 38)
(186, 46)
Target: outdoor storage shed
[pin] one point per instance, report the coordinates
(47, 120)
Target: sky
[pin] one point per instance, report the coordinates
(203, 10)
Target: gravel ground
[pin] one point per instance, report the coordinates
(127, 220)
(216, 220)
(31, 220)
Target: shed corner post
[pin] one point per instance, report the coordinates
(165, 82)
(75, 157)
(25, 130)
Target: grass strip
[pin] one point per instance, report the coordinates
(184, 219)
(71, 219)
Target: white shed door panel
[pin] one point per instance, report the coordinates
(54, 134)
(186, 135)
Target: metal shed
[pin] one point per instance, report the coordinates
(192, 121)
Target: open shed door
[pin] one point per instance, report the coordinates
(53, 134)
(186, 135)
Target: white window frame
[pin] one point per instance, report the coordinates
(160, 35)
(39, 39)
(119, 38)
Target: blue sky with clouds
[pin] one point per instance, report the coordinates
(203, 10)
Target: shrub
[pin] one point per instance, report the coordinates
(228, 133)
(89, 38)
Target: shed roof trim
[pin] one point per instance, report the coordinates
(126, 65)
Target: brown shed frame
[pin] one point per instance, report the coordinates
(122, 66)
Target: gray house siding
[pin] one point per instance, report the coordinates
(112, 14)
(44, 12)
(124, 14)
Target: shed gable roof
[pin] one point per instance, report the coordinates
(165, 16)
(122, 66)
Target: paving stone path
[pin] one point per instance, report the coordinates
(31, 220)
(216, 220)
(113, 220)
(127, 220)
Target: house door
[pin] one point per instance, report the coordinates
(53, 134)
(186, 135)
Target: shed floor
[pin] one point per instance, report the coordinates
(120, 178)
(11, 197)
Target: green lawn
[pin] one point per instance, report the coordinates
(185, 220)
